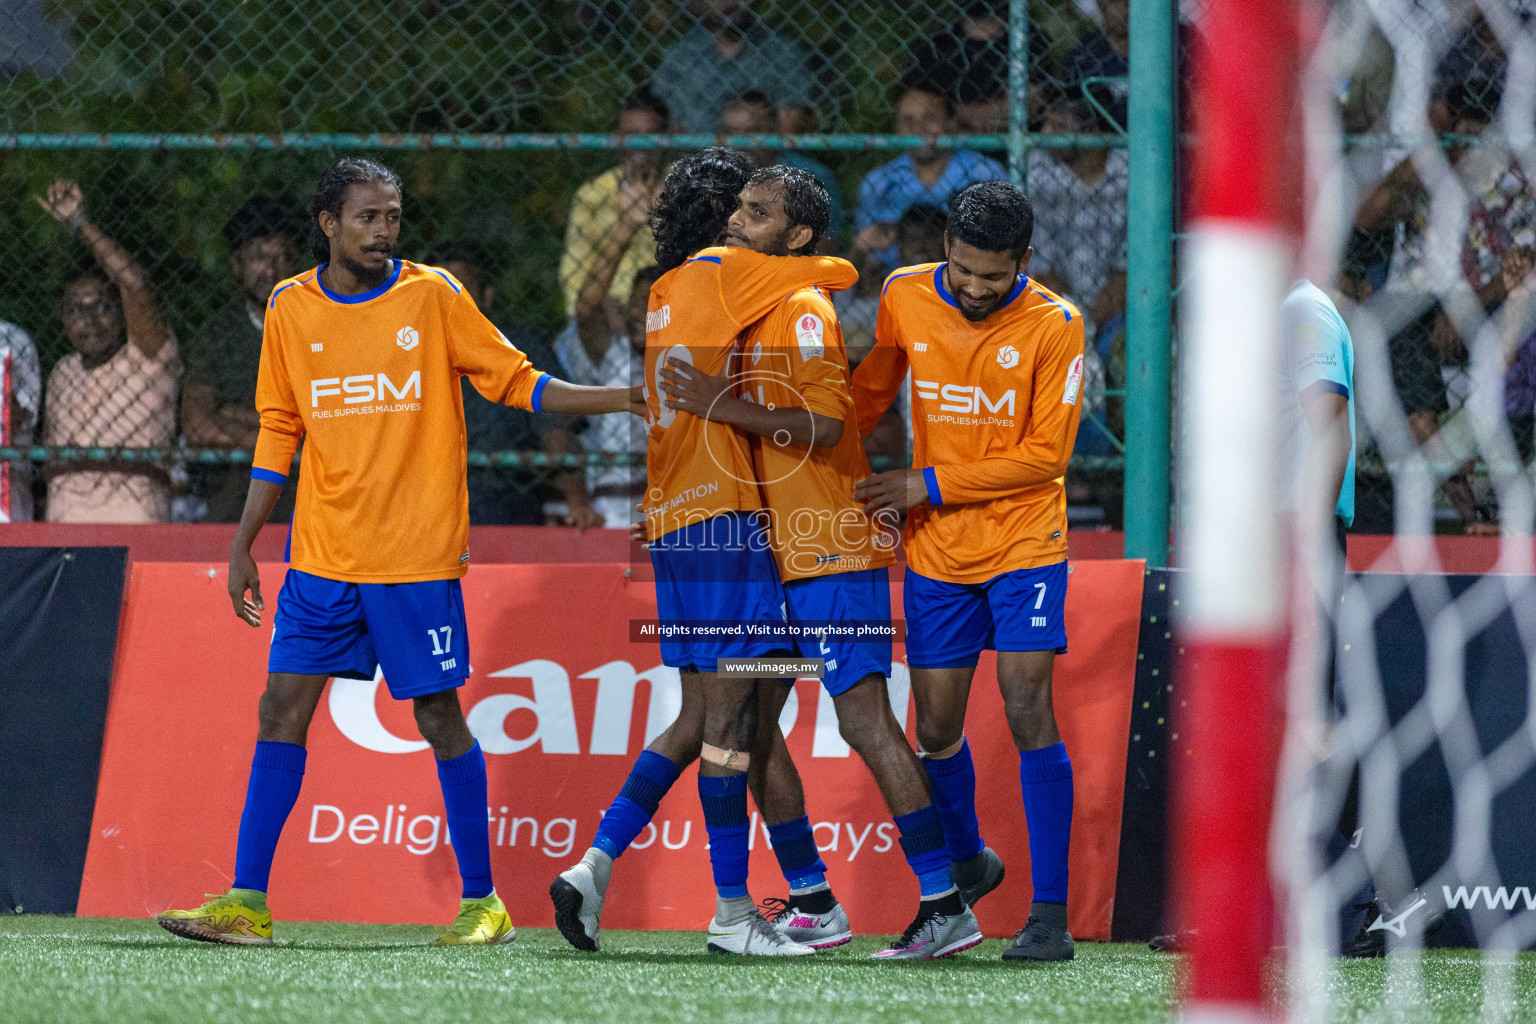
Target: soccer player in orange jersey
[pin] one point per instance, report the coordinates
(708, 546)
(790, 396)
(361, 359)
(997, 371)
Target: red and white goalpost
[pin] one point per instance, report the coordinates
(1238, 259)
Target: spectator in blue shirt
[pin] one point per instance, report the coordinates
(927, 175)
(727, 53)
(752, 113)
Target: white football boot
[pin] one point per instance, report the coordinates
(578, 906)
(753, 936)
(819, 931)
(933, 936)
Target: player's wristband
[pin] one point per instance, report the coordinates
(931, 479)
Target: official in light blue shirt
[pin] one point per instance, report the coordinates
(1317, 368)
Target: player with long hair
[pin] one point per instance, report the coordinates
(791, 396)
(711, 557)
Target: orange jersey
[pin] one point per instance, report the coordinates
(370, 383)
(994, 416)
(695, 468)
(793, 357)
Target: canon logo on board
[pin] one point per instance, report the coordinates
(353, 709)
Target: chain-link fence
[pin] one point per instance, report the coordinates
(196, 133)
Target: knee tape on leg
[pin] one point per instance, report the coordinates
(733, 760)
(949, 751)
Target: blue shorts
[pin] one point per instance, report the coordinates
(718, 572)
(843, 598)
(414, 631)
(949, 624)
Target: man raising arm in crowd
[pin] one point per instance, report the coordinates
(117, 388)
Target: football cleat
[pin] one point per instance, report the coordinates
(238, 918)
(1173, 942)
(1044, 937)
(978, 876)
(819, 931)
(753, 936)
(481, 922)
(932, 935)
(578, 906)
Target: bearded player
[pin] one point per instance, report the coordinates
(709, 550)
(361, 359)
(791, 396)
(997, 366)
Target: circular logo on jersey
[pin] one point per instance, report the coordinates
(757, 352)
(407, 338)
(1007, 357)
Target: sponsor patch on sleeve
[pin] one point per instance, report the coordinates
(1074, 382)
(809, 330)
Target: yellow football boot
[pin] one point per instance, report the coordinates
(239, 917)
(482, 922)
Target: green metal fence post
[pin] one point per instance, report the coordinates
(1149, 282)
(1018, 91)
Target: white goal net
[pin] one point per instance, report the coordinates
(1405, 817)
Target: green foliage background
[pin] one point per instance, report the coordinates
(333, 66)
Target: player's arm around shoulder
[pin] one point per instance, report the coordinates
(752, 284)
(788, 351)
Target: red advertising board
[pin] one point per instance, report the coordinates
(562, 701)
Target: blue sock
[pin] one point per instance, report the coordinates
(954, 797)
(725, 819)
(636, 803)
(795, 845)
(464, 797)
(277, 772)
(1045, 775)
(922, 840)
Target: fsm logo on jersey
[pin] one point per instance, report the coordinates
(965, 398)
(407, 338)
(364, 388)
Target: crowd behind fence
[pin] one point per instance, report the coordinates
(195, 132)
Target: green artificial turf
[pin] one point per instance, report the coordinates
(124, 972)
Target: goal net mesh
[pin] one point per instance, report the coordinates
(1408, 774)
